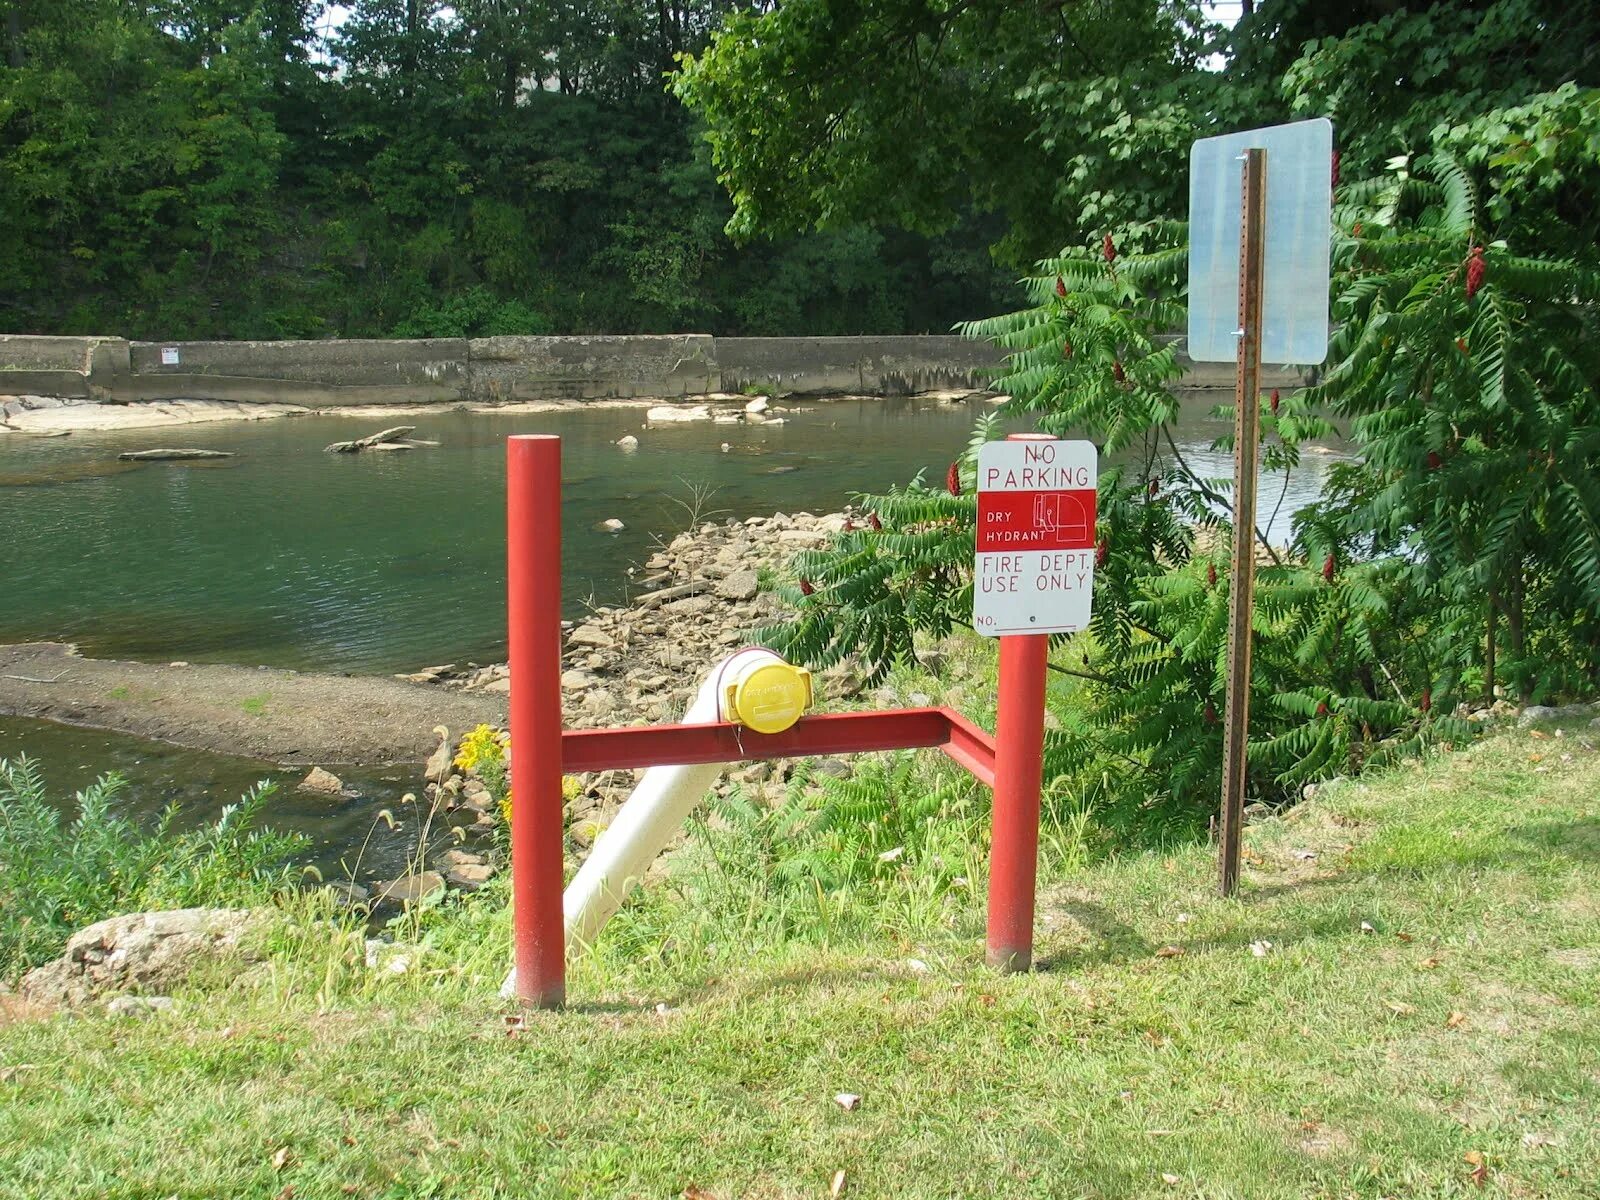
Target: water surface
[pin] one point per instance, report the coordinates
(287, 556)
(347, 839)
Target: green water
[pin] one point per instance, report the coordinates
(291, 557)
(346, 837)
(287, 556)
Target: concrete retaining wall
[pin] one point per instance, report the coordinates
(886, 365)
(488, 370)
(79, 368)
(398, 371)
(587, 368)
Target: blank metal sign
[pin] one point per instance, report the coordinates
(1294, 306)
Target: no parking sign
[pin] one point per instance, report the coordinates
(1036, 514)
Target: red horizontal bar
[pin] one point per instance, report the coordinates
(830, 733)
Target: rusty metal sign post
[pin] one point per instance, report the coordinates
(1246, 435)
(1268, 304)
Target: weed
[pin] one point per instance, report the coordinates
(58, 875)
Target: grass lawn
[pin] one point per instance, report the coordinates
(1401, 1003)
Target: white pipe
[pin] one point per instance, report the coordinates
(647, 821)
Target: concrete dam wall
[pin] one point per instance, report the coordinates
(500, 369)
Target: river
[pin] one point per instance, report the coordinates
(286, 556)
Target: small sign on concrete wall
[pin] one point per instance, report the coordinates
(169, 356)
(1036, 515)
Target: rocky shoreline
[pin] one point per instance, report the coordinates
(699, 599)
(57, 416)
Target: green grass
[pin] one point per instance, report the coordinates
(256, 705)
(1428, 994)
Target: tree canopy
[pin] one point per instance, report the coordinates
(216, 168)
(248, 168)
(1073, 117)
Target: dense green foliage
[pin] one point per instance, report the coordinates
(195, 168)
(1071, 118)
(1460, 548)
(57, 876)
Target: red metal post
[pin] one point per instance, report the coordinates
(533, 615)
(1018, 776)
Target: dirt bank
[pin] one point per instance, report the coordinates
(279, 716)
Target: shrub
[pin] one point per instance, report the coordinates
(57, 875)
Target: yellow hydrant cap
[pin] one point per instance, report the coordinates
(769, 698)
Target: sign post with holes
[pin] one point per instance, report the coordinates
(1033, 576)
(1258, 292)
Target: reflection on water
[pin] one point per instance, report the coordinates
(378, 562)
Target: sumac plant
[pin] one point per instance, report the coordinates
(1465, 371)
(1460, 540)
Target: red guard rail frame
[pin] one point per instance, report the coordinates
(1010, 763)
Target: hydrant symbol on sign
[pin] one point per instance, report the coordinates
(1061, 514)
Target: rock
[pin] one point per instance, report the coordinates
(408, 889)
(469, 877)
(628, 442)
(759, 405)
(664, 413)
(390, 957)
(461, 858)
(151, 951)
(690, 606)
(726, 447)
(599, 702)
(612, 525)
(1541, 714)
(801, 537)
(170, 455)
(503, 686)
(139, 1007)
(575, 680)
(661, 596)
(439, 763)
(387, 439)
(591, 635)
(323, 782)
(741, 585)
(347, 893)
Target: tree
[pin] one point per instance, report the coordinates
(1072, 118)
(1459, 548)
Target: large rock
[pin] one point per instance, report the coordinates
(591, 635)
(441, 763)
(1540, 714)
(323, 782)
(663, 413)
(741, 585)
(146, 952)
